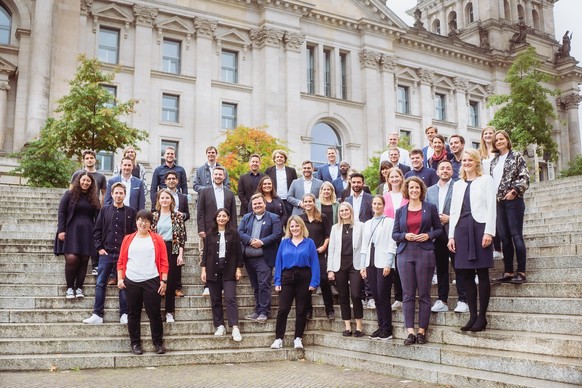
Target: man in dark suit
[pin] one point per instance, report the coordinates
(248, 183)
(282, 177)
(203, 177)
(160, 173)
(360, 200)
(394, 156)
(348, 191)
(260, 233)
(135, 191)
(440, 195)
(342, 182)
(301, 186)
(427, 174)
(330, 171)
(213, 198)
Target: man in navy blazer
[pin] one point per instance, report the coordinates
(299, 187)
(440, 195)
(260, 233)
(360, 200)
(135, 196)
(330, 171)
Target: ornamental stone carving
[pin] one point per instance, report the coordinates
(388, 63)
(369, 59)
(426, 76)
(266, 36)
(205, 27)
(293, 41)
(489, 89)
(4, 86)
(567, 102)
(461, 84)
(86, 6)
(144, 15)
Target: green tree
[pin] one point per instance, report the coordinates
(526, 111)
(240, 144)
(574, 168)
(372, 172)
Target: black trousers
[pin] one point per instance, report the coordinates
(172, 279)
(442, 254)
(144, 294)
(325, 287)
(397, 284)
(294, 286)
(215, 287)
(349, 283)
(380, 286)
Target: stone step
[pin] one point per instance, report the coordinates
(555, 250)
(565, 213)
(553, 238)
(573, 226)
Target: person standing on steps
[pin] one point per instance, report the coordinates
(113, 223)
(471, 231)
(78, 210)
(160, 172)
(282, 176)
(248, 183)
(204, 173)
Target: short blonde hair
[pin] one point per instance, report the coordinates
(299, 221)
(282, 152)
(476, 156)
(333, 195)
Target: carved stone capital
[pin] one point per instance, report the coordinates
(4, 86)
(205, 27)
(293, 41)
(489, 89)
(86, 6)
(369, 59)
(144, 16)
(426, 76)
(388, 63)
(266, 36)
(569, 101)
(461, 84)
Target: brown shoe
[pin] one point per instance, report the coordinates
(179, 294)
(112, 282)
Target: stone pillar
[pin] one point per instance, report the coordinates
(442, 15)
(40, 67)
(388, 67)
(569, 105)
(4, 88)
(369, 64)
(426, 98)
(460, 15)
(528, 18)
(290, 124)
(461, 86)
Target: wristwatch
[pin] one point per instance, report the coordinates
(164, 281)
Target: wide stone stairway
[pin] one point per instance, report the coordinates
(533, 338)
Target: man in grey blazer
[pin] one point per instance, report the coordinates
(204, 177)
(135, 192)
(301, 186)
(440, 195)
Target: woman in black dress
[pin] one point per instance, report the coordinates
(327, 202)
(471, 231)
(77, 213)
(275, 204)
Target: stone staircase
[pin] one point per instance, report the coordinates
(532, 339)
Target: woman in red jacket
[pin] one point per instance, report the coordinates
(142, 269)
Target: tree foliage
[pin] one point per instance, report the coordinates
(240, 144)
(90, 114)
(574, 168)
(372, 172)
(526, 111)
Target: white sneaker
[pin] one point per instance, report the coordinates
(476, 279)
(206, 292)
(454, 282)
(461, 308)
(79, 293)
(123, 319)
(277, 344)
(94, 271)
(220, 330)
(70, 294)
(396, 305)
(93, 320)
(236, 334)
(439, 307)
(297, 343)
(371, 304)
(434, 279)
(170, 318)
(497, 255)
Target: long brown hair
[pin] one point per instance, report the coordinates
(92, 196)
(316, 212)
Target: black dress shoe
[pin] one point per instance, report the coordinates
(420, 339)
(160, 349)
(411, 339)
(331, 316)
(347, 333)
(136, 349)
(469, 324)
(358, 333)
(518, 279)
(480, 325)
(503, 279)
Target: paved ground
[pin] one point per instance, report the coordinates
(273, 374)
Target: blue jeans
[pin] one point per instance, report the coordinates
(106, 263)
(510, 227)
(260, 277)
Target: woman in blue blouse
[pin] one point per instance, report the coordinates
(296, 276)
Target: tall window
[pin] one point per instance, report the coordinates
(168, 143)
(344, 75)
(469, 17)
(439, 107)
(327, 72)
(105, 161)
(229, 66)
(108, 45)
(5, 25)
(403, 105)
(473, 113)
(112, 90)
(171, 56)
(228, 115)
(311, 70)
(436, 26)
(324, 136)
(170, 108)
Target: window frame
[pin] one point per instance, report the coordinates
(339, 144)
(108, 49)
(327, 73)
(406, 90)
(112, 89)
(225, 71)
(102, 157)
(343, 58)
(6, 28)
(310, 71)
(168, 61)
(474, 116)
(440, 108)
(233, 118)
(168, 110)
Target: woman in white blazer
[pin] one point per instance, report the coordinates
(377, 254)
(344, 264)
(471, 231)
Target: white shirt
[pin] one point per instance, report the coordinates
(281, 182)
(357, 204)
(221, 245)
(443, 190)
(127, 184)
(219, 196)
(404, 157)
(498, 170)
(486, 165)
(176, 198)
(307, 185)
(141, 261)
(333, 171)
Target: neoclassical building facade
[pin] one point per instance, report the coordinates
(314, 73)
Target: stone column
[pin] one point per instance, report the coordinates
(426, 99)
(290, 124)
(369, 64)
(40, 67)
(4, 88)
(569, 105)
(388, 67)
(461, 86)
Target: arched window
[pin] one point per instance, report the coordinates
(469, 18)
(535, 16)
(323, 136)
(436, 26)
(5, 25)
(520, 12)
(506, 10)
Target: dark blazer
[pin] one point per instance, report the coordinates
(183, 206)
(271, 233)
(233, 255)
(206, 207)
(404, 168)
(432, 196)
(430, 224)
(338, 185)
(246, 189)
(366, 212)
(289, 171)
(103, 224)
(347, 192)
(137, 198)
(203, 178)
(323, 173)
(66, 212)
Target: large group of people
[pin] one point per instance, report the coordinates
(434, 207)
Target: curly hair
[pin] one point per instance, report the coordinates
(91, 193)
